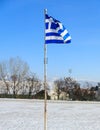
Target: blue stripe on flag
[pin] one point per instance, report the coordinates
(66, 36)
(52, 34)
(46, 25)
(57, 41)
(54, 41)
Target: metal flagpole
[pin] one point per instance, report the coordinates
(45, 79)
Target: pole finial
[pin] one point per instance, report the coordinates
(45, 10)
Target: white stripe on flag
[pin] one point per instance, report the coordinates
(50, 20)
(68, 38)
(64, 33)
(53, 38)
(50, 30)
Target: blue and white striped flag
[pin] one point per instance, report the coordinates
(55, 32)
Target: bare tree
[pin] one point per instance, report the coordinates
(13, 73)
(18, 71)
(58, 86)
(69, 83)
(65, 85)
(77, 95)
(33, 84)
(4, 75)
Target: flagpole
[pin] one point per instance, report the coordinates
(45, 79)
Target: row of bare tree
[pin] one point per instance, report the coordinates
(17, 78)
(73, 89)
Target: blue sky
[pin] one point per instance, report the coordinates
(22, 34)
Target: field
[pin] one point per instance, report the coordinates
(20, 114)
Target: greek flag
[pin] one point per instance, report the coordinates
(55, 32)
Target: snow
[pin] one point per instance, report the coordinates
(25, 114)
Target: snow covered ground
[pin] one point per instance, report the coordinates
(17, 114)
